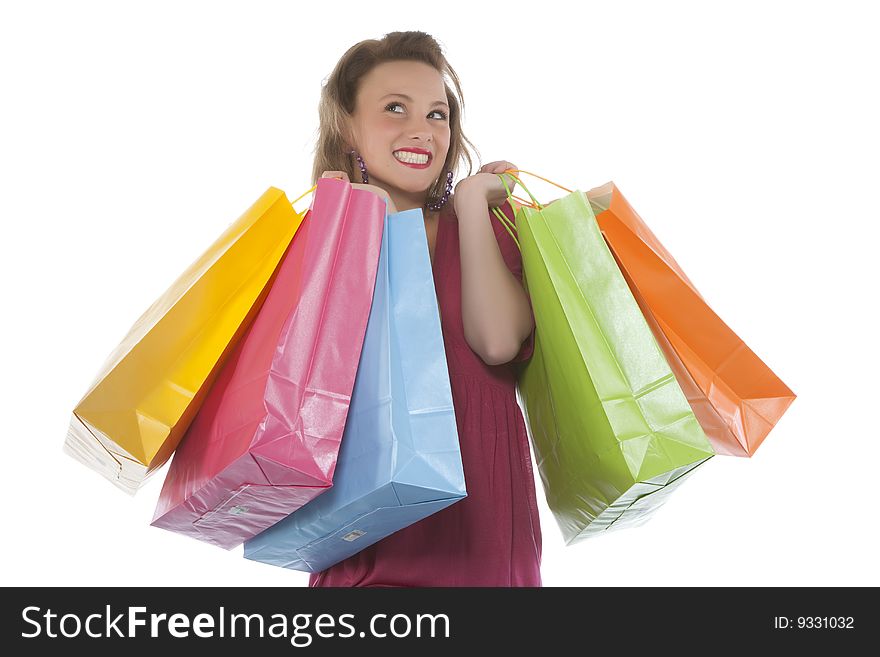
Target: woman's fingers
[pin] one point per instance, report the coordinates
(499, 166)
(335, 174)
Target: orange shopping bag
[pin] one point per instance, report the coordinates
(735, 396)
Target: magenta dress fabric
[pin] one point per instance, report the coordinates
(493, 536)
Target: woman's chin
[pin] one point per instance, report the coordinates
(413, 189)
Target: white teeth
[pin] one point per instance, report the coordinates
(411, 158)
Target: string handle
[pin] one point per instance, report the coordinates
(509, 225)
(536, 204)
(309, 191)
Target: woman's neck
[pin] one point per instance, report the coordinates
(403, 201)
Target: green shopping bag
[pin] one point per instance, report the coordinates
(613, 433)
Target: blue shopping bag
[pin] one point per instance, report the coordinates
(400, 459)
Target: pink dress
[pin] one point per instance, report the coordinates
(493, 536)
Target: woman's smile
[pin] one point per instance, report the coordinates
(414, 158)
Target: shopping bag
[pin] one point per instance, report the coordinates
(612, 431)
(400, 459)
(266, 439)
(713, 424)
(146, 394)
(736, 397)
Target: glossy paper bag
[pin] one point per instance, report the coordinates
(266, 440)
(146, 394)
(612, 431)
(400, 459)
(736, 397)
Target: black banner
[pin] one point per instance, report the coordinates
(391, 621)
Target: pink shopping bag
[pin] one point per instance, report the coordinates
(266, 439)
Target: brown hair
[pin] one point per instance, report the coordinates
(339, 93)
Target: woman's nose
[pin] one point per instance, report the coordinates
(422, 128)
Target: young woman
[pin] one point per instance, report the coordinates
(389, 122)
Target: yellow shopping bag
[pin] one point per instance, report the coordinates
(147, 393)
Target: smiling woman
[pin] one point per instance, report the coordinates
(390, 119)
(377, 87)
(399, 131)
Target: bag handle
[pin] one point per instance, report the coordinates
(307, 192)
(535, 204)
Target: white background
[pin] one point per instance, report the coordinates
(746, 136)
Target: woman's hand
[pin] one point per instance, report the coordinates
(381, 193)
(486, 184)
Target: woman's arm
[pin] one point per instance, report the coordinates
(494, 306)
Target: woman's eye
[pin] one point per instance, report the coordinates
(442, 114)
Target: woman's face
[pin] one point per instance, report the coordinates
(402, 105)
